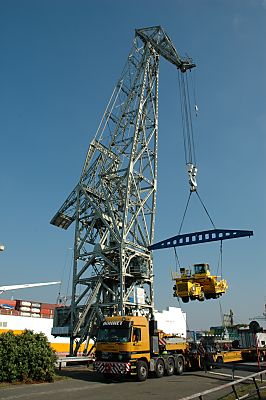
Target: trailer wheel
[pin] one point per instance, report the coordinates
(170, 367)
(142, 371)
(220, 362)
(201, 296)
(159, 368)
(185, 299)
(179, 365)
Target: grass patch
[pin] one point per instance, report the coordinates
(246, 389)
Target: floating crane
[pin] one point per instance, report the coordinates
(113, 205)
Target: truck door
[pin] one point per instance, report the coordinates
(136, 336)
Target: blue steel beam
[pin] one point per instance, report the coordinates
(200, 237)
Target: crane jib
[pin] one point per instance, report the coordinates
(200, 237)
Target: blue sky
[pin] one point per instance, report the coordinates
(60, 61)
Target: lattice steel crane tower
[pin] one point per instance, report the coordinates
(114, 203)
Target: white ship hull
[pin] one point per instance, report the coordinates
(18, 324)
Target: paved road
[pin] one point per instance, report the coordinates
(79, 383)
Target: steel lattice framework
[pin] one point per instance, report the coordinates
(113, 205)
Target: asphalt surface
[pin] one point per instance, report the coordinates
(80, 383)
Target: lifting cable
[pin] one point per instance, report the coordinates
(188, 135)
(221, 313)
(177, 262)
(183, 314)
(181, 225)
(193, 85)
(189, 148)
(188, 138)
(205, 209)
(220, 260)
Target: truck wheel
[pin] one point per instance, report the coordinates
(159, 369)
(170, 367)
(185, 299)
(142, 371)
(179, 365)
(220, 362)
(107, 376)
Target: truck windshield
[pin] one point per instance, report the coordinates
(114, 334)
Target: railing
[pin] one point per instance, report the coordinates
(254, 377)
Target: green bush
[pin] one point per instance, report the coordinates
(27, 357)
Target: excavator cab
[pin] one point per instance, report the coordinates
(199, 285)
(201, 269)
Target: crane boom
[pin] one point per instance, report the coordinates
(161, 42)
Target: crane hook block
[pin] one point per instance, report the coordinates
(200, 237)
(192, 172)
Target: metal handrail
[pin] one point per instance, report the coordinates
(233, 384)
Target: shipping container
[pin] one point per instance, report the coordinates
(25, 314)
(36, 305)
(24, 308)
(47, 311)
(35, 310)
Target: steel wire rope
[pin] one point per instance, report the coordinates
(187, 130)
(181, 225)
(182, 116)
(183, 315)
(186, 117)
(191, 131)
(178, 299)
(185, 212)
(203, 205)
(221, 312)
(193, 85)
(220, 260)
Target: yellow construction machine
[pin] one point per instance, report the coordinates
(199, 285)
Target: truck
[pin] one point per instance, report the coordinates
(199, 284)
(132, 345)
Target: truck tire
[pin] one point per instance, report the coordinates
(107, 377)
(170, 369)
(159, 368)
(142, 371)
(179, 365)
